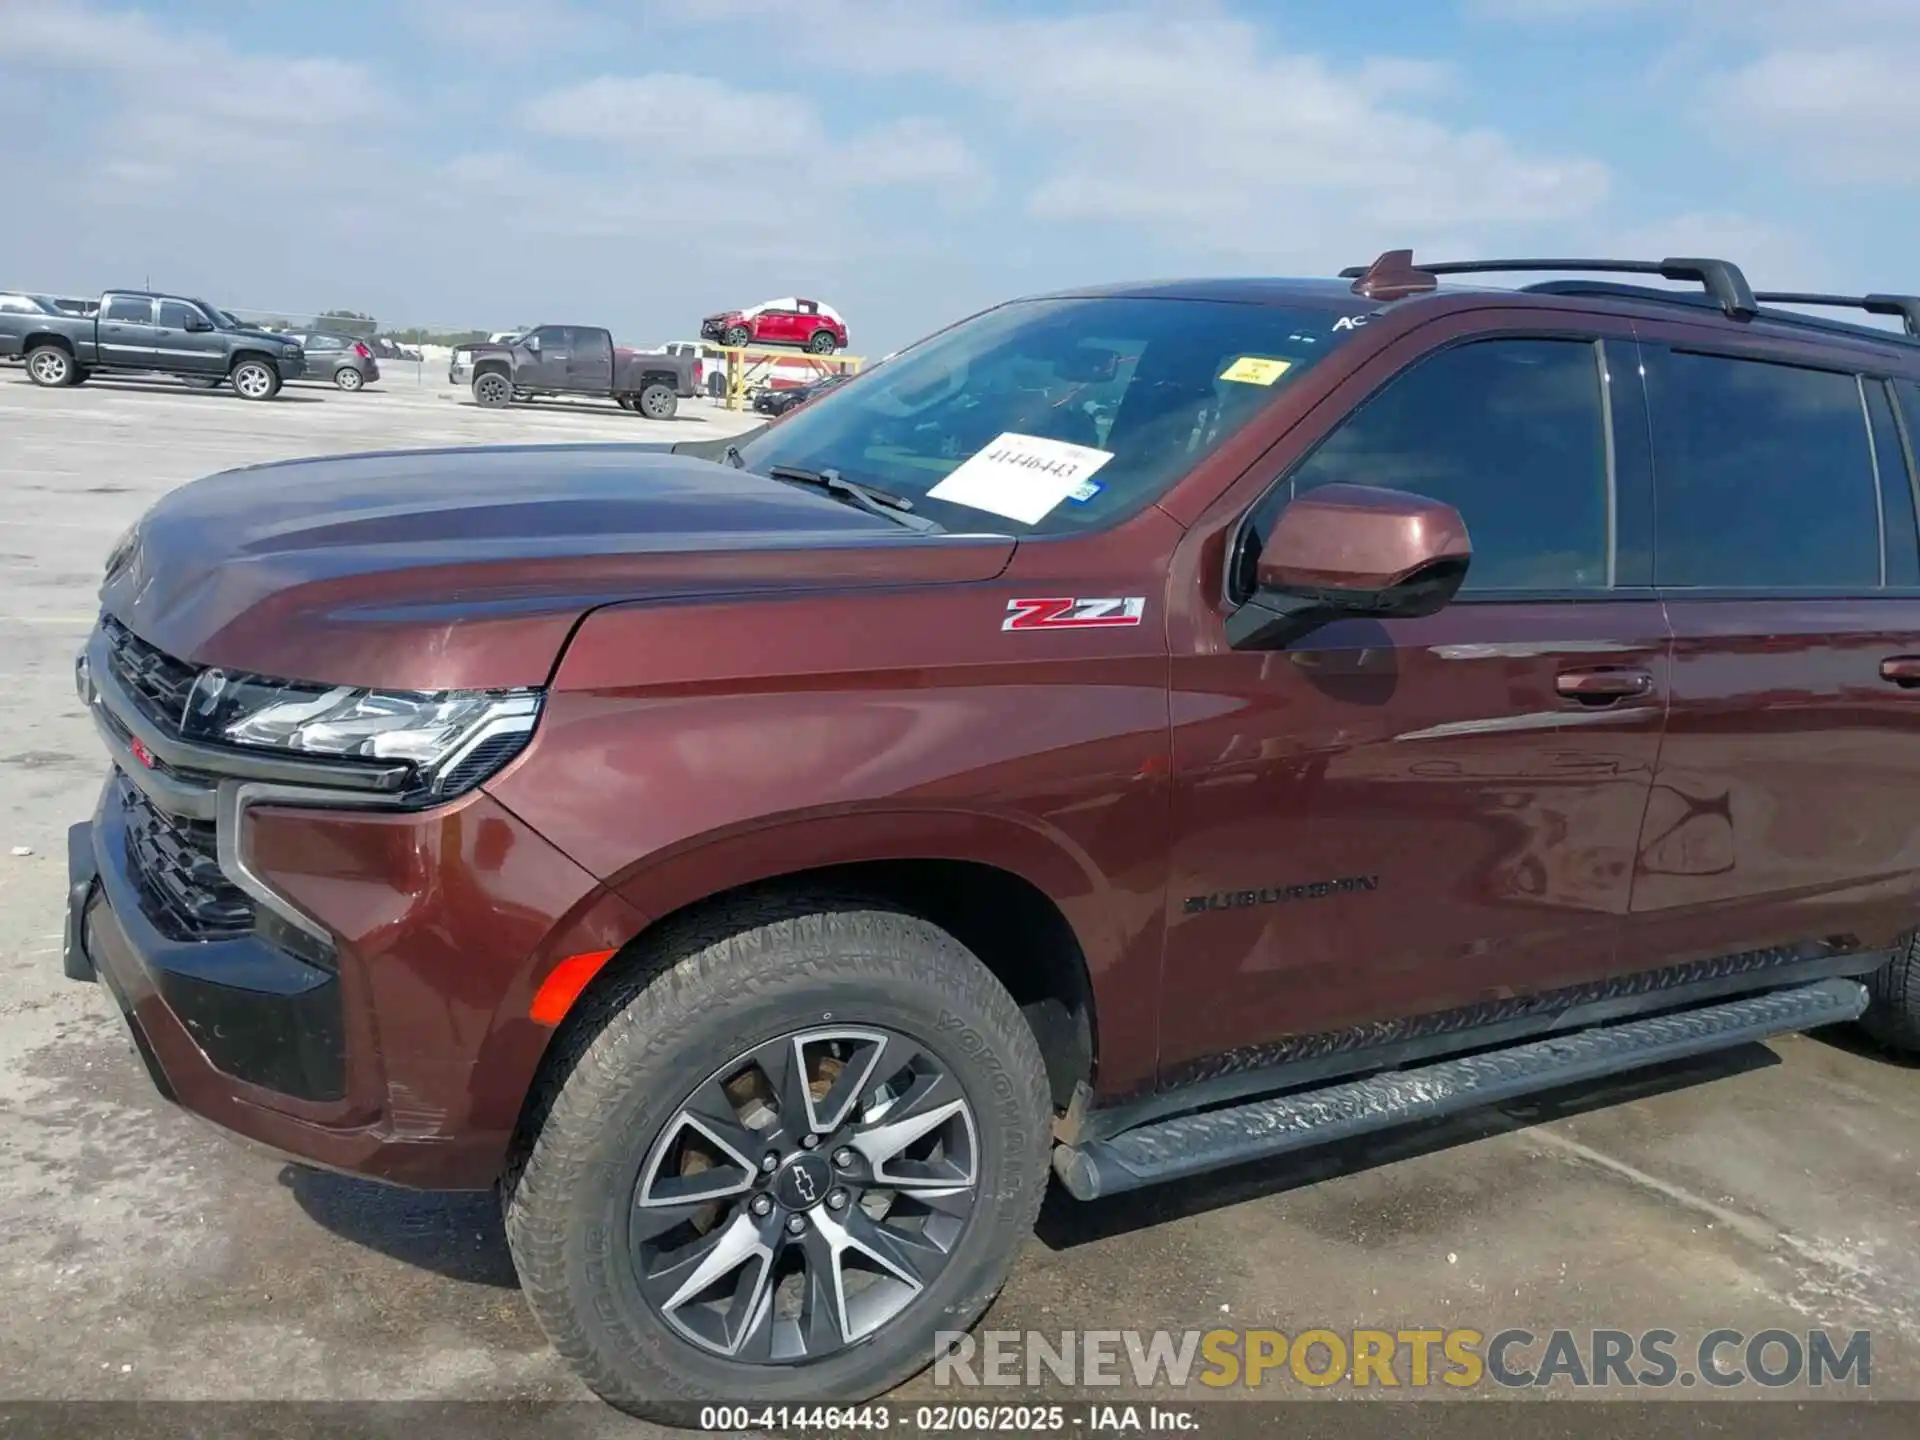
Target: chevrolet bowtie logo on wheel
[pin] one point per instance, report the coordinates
(804, 1186)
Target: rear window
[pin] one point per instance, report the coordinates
(129, 310)
(1066, 414)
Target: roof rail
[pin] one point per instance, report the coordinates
(1907, 307)
(1395, 275)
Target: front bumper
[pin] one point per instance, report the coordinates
(355, 993)
(291, 367)
(458, 374)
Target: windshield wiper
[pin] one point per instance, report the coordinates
(883, 503)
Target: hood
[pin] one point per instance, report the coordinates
(468, 568)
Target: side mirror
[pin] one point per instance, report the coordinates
(198, 324)
(532, 342)
(1348, 551)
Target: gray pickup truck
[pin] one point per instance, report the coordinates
(577, 360)
(135, 330)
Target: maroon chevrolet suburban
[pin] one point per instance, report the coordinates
(1131, 733)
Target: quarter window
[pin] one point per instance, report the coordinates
(1763, 475)
(1513, 435)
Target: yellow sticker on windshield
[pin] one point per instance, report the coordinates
(1256, 370)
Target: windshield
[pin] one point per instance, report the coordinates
(1047, 417)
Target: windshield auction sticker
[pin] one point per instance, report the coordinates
(1256, 370)
(1022, 477)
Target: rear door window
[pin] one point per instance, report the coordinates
(128, 310)
(1763, 475)
(1511, 433)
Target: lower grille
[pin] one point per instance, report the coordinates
(176, 866)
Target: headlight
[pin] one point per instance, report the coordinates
(121, 551)
(453, 738)
(289, 350)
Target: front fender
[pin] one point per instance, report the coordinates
(770, 738)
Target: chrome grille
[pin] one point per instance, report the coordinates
(158, 683)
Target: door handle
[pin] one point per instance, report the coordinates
(1603, 687)
(1901, 670)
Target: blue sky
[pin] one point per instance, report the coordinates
(496, 162)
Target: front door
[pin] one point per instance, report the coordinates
(544, 357)
(186, 341)
(1785, 817)
(126, 333)
(1385, 830)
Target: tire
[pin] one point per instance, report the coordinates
(821, 342)
(657, 401)
(255, 380)
(51, 367)
(492, 390)
(768, 979)
(716, 387)
(1893, 1003)
(348, 378)
(736, 336)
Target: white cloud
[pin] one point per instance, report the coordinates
(1196, 129)
(504, 31)
(1839, 113)
(1828, 88)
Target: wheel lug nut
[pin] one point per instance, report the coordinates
(796, 1223)
(769, 1162)
(843, 1157)
(809, 1141)
(760, 1205)
(836, 1199)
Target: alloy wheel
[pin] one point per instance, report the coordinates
(51, 367)
(804, 1195)
(252, 381)
(347, 379)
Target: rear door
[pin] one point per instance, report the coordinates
(126, 332)
(590, 370)
(1388, 830)
(1785, 816)
(180, 347)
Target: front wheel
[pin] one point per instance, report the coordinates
(657, 401)
(767, 1163)
(493, 390)
(50, 366)
(736, 336)
(255, 380)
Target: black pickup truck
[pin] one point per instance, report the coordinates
(579, 360)
(135, 330)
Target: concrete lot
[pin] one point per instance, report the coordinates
(145, 1256)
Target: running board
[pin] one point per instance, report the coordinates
(1214, 1139)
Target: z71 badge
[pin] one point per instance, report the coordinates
(1071, 614)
